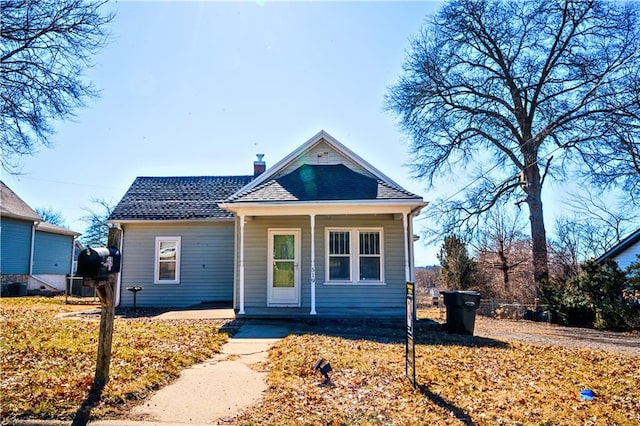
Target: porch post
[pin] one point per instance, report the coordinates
(407, 271)
(312, 219)
(241, 277)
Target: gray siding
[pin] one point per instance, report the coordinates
(206, 267)
(15, 246)
(328, 296)
(52, 253)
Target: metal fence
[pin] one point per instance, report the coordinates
(74, 287)
(495, 308)
(503, 309)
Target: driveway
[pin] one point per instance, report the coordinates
(552, 334)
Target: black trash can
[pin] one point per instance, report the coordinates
(461, 310)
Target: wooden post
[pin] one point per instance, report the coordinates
(106, 291)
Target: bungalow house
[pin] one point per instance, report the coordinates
(625, 252)
(322, 232)
(34, 253)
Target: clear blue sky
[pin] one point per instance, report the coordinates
(198, 88)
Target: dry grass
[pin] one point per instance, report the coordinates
(48, 364)
(462, 380)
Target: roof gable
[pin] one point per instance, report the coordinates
(323, 183)
(177, 198)
(291, 178)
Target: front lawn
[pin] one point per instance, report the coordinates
(462, 380)
(48, 364)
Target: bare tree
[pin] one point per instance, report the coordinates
(499, 249)
(595, 227)
(46, 46)
(51, 216)
(522, 90)
(97, 231)
(607, 221)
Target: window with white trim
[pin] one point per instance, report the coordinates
(354, 255)
(369, 256)
(167, 264)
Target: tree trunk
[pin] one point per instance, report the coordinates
(536, 218)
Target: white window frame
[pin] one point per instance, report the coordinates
(354, 256)
(156, 271)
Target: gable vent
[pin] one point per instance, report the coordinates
(323, 157)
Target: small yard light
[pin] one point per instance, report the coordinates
(324, 367)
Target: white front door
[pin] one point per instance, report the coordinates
(283, 279)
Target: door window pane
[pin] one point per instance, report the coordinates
(283, 248)
(283, 274)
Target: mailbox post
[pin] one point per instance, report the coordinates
(99, 268)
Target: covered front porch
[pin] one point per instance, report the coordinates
(304, 233)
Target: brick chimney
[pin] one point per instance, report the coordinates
(259, 166)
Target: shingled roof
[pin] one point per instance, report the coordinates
(322, 183)
(178, 198)
(13, 206)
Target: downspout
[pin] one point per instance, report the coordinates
(68, 282)
(32, 249)
(412, 258)
(407, 267)
(118, 294)
(73, 252)
(409, 250)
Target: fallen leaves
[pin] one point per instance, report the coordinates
(461, 378)
(47, 367)
(48, 364)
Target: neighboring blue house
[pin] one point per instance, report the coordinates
(33, 252)
(323, 232)
(625, 252)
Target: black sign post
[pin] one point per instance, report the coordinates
(410, 347)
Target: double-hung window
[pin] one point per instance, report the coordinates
(354, 255)
(167, 264)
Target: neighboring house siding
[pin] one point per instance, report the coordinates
(206, 264)
(628, 256)
(328, 296)
(15, 238)
(52, 253)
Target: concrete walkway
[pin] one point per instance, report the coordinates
(210, 392)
